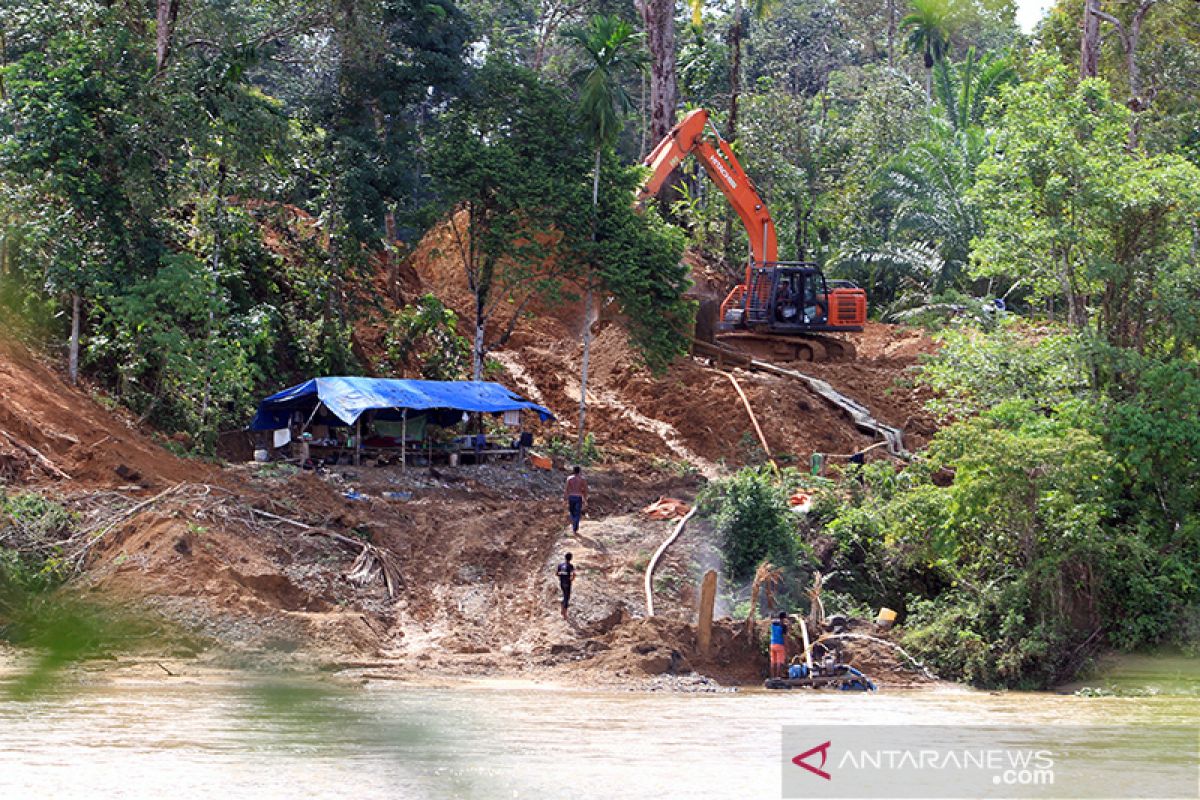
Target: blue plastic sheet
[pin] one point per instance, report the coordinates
(348, 398)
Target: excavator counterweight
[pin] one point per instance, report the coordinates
(781, 310)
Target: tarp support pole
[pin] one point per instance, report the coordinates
(311, 417)
(358, 441)
(404, 439)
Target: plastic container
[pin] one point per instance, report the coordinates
(886, 618)
(262, 455)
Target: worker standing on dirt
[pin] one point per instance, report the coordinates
(566, 576)
(779, 628)
(577, 495)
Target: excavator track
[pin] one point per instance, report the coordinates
(785, 349)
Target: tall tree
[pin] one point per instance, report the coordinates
(610, 49)
(658, 16)
(1130, 34)
(928, 26)
(1073, 213)
(1089, 40)
(508, 159)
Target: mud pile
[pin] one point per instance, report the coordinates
(52, 431)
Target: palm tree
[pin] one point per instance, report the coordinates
(928, 26)
(962, 90)
(610, 48)
(925, 188)
(923, 192)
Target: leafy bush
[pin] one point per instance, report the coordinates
(424, 337)
(973, 370)
(753, 520)
(1014, 548)
(31, 528)
(565, 449)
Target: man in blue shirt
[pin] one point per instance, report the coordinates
(779, 628)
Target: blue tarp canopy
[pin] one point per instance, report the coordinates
(348, 398)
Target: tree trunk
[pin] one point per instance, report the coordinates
(891, 33)
(659, 18)
(73, 352)
(583, 372)
(1089, 42)
(929, 84)
(587, 320)
(478, 350)
(393, 263)
(735, 70)
(168, 12)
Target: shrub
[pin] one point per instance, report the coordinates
(753, 521)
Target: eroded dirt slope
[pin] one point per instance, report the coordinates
(80, 441)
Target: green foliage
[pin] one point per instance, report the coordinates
(1027, 554)
(590, 453)
(509, 155)
(640, 260)
(928, 26)
(973, 370)
(1071, 212)
(424, 335)
(752, 518)
(611, 47)
(31, 528)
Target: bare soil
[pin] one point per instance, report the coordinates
(475, 546)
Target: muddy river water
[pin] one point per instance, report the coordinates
(235, 736)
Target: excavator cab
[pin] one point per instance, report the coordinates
(788, 298)
(797, 298)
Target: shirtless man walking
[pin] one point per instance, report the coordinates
(577, 495)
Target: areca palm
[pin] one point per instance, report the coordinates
(610, 48)
(928, 26)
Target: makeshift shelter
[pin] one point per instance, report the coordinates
(344, 401)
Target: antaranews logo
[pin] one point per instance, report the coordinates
(823, 749)
(1002, 762)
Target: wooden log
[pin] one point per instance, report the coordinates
(37, 456)
(708, 598)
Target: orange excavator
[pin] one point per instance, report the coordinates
(783, 310)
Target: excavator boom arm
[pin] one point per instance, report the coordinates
(725, 170)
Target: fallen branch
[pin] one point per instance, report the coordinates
(372, 562)
(122, 517)
(37, 456)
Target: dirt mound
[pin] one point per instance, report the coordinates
(692, 413)
(50, 430)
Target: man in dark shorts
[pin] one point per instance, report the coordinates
(566, 576)
(576, 494)
(779, 629)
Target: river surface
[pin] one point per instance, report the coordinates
(253, 736)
